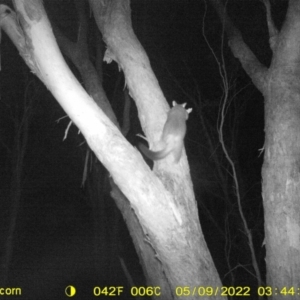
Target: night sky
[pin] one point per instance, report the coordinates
(54, 240)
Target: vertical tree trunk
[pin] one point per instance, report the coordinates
(281, 179)
(281, 172)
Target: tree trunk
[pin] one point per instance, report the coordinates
(170, 239)
(281, 173)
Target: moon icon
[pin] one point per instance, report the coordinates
(70, 291)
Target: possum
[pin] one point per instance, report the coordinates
(173, 134)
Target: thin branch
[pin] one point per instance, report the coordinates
(273, 32)
(234, 33)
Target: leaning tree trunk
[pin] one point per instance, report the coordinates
(171, 244)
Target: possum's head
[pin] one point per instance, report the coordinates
(179, 111)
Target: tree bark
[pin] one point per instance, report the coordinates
(281, 173)
(163, 202)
